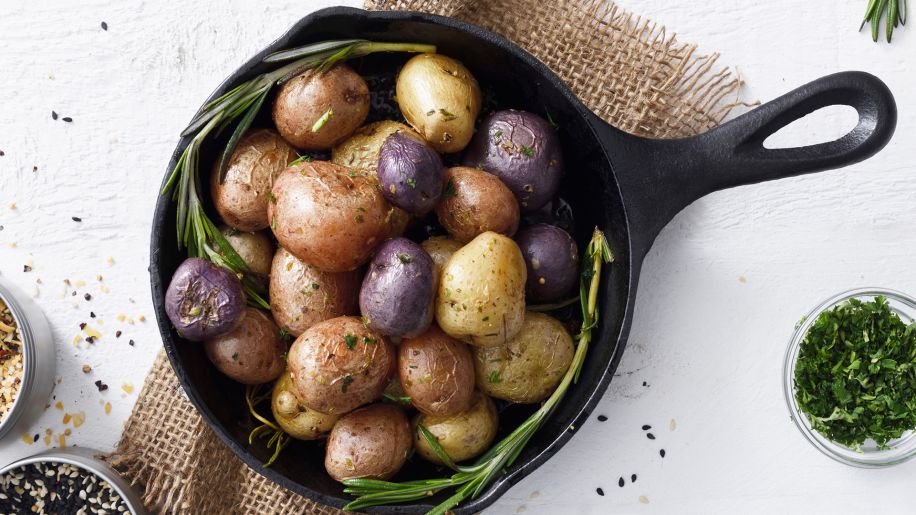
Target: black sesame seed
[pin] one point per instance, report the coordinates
(92, 314)
(76, 219)
(131, 343)
(87, 296)
(2, 153)
(645, 384)
(600, 492)
(602, 418)
(646, 427)
(117, 334)
(90, 339)
(650, 436)
(35, 438)
(621, 482)
(34, 168)
(82, 325)
(633, 478)
(104, 26)
(661, 453)
(53, 115)
(67, 119)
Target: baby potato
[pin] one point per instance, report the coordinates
(301, 295)
(440, 249)
(475, 202)
(361, 150)
(297, 420)
(462, 436)
(255, 248)
(437, 372)
(371, 442)
(553, 262)
(397, 294)
(440, 99)
(529, 366)
(338, 365)
(315, 110)
(481, 297)
(241, 200)
(328, 217)
(252, 353)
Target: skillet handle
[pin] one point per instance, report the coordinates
(668, 175)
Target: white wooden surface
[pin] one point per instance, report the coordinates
(721, 289)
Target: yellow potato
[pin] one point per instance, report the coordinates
(481, 296)
(440, 248)
(360, 151)
(294, 417)
(528, 367)
(462, 436)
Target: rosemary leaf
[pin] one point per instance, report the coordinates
(324, 47)
(240, 129)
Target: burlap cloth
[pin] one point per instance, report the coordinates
(628, 70)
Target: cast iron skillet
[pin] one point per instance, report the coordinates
(629, 186)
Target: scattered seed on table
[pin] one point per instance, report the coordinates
(26, 268)
(643, 499)
(34, 168)
(650, 436)
(87, 369)
(645, 383)
(101, 386)
(633, 478)
(661, 453)
(600, 492)
(104, 26)
(92, 314)
(76, 219)
(53, 115)
(621, 482)
(602, 418)
(117, 334)
(131, 343)
(90, 339)
(82, 325)
(646, 427)
(87, 296)
(2, 153)
(67, 119)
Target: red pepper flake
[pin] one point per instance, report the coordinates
(87, 296)
(117, 334)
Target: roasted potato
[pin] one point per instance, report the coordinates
(255, 248)
(301, 295)
(440, 249)
(481, 297)
(437, 372)
(440, 99)
(529, 366)
(204, 300)
(462, 436)
(241, 200)
(523, 151)
(293, 417)
(338, 365)
(396, 298)
(371, 442)
(410, 174)
(361, 150)
(252, 353)
(475, 202)
(315, 110)
(552, 259)
(328, 217)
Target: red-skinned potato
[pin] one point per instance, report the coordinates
(315, 110)
(338, 365)
(241, 200)
(327, 216)
(252, 353)
(371, 442)
(437, 372)
(475, 202)
(301, 295)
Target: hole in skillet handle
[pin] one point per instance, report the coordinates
(658, 178)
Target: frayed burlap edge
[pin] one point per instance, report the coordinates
(628, 70)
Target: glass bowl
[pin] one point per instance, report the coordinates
(870, 456)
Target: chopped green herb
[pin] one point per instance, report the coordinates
(351, 173)
(404, 258)
(301, 159)
(345, 383)
(315, 286)
(494, 377)
(855, 377)
(450, 188)
(232, 231)
(498, 134)
(273, 224)
(271, 197)
(369, 341)
(446, 116)
(398, 399)
(285, 356)
(284, 335)
(350, 340)
(528, 151)
(360, 219)
(322, 120)
(235, 356)
(411, 182)
(485, 319)
(550, 120)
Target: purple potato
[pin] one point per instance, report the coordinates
(204, 300)
(397, 294)
(410, 173)
(552, 259)
(523, 151)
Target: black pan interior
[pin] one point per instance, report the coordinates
(510, 79)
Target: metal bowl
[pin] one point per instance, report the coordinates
(38, 360)
(86, 459)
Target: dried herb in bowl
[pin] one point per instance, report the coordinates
(10, 360)
(854, 376)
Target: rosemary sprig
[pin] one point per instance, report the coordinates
(196, 231)
(470, 480)
(896, 16)
(277, 439)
